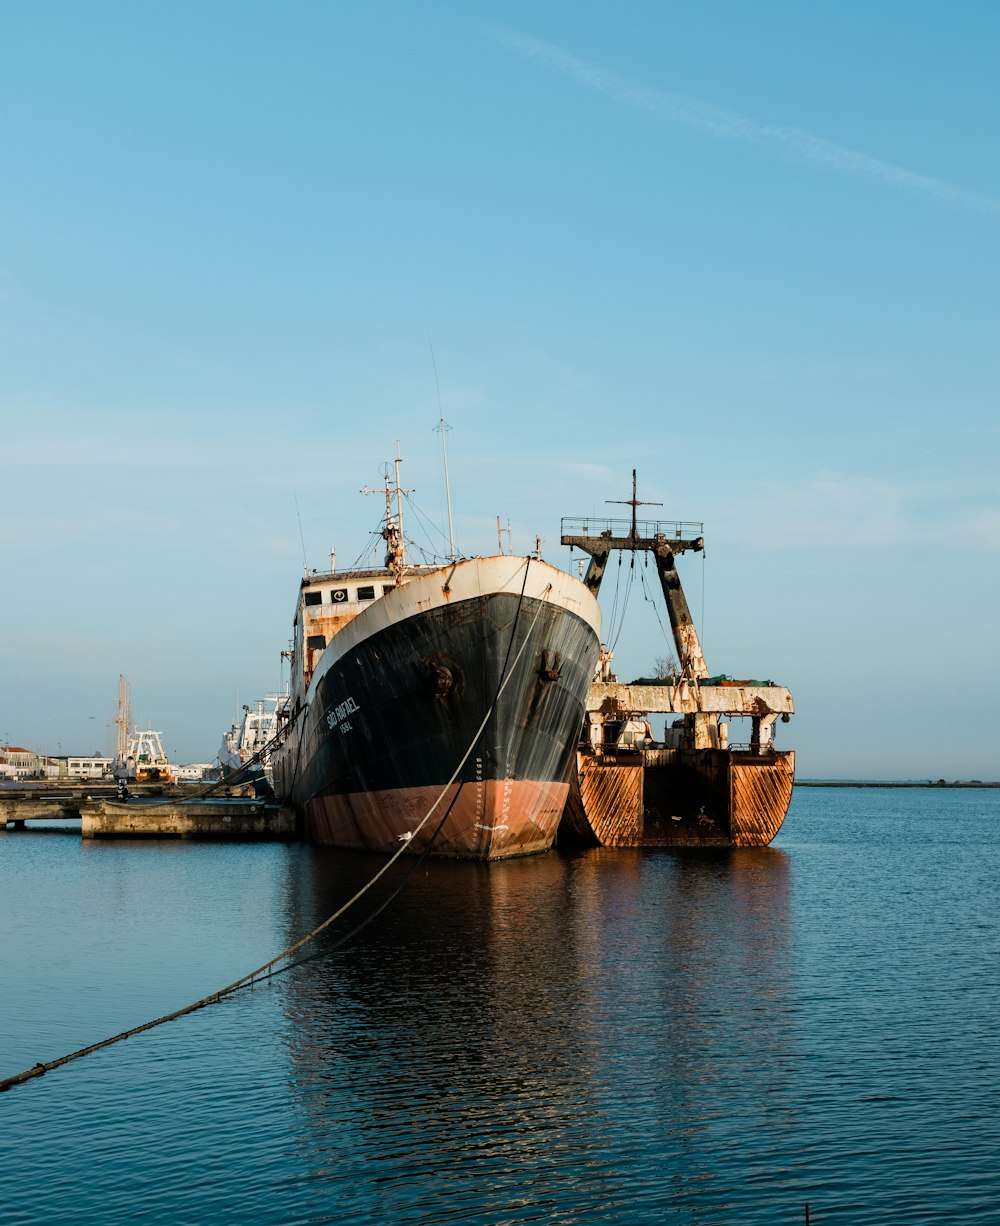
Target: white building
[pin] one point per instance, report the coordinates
(194, 771)
(19, 763)
(94, 767)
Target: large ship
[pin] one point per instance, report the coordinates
(436, 705)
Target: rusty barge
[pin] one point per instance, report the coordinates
(693, 787)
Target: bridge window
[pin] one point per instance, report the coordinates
(314, 598)
(366, 593)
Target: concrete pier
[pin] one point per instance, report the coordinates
(18, 808)
(186, 819)
(150, 812)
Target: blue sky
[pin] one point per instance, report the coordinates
(749, 250)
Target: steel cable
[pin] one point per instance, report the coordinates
(267, 969)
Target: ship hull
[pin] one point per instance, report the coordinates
(446, 717)
(484, 820)
(678, 798)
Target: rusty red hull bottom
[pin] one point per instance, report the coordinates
(679, 798)
(490, 819)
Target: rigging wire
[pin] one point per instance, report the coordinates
(430, 555)
(621, 623)
(614, 602)
(618, 614)
(428, 524)
(369, 549)
(668, 638)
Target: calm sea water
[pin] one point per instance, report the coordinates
(630, 1037)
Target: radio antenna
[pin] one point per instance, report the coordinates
(442, 428)
(305, 561)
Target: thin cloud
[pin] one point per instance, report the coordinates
(979, 529)
(861, 513)
(688, 112)
(829, 512)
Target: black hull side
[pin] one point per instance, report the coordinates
(405, 733)
(400, 710)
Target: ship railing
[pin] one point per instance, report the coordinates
(672, 529)
(370, 572)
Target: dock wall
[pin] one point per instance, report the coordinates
(102, 819)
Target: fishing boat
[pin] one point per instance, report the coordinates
(139, 756)
(692, 786)
(145, 761)
(436, 705)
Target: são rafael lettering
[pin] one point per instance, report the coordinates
(341, 711)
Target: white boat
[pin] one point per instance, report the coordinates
(145, 761)
(245, 746)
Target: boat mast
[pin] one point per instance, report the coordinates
(633, 502)
(123, 720)
(651, 539)
(395, 556)
(500, 532)
(399, 507)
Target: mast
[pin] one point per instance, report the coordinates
(395, 556)
(399, 508)
(123, 720)
(500, 532)
(646, 537)
(633, 502)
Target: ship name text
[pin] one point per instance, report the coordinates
(340, 713)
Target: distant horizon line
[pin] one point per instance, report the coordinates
(897, 783)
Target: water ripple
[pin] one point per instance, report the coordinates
(595, 1038)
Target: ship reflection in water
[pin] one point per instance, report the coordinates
(578, 1033)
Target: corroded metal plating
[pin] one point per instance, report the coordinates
(694, 788)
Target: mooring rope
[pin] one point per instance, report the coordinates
(252, 977)
(430, 842)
